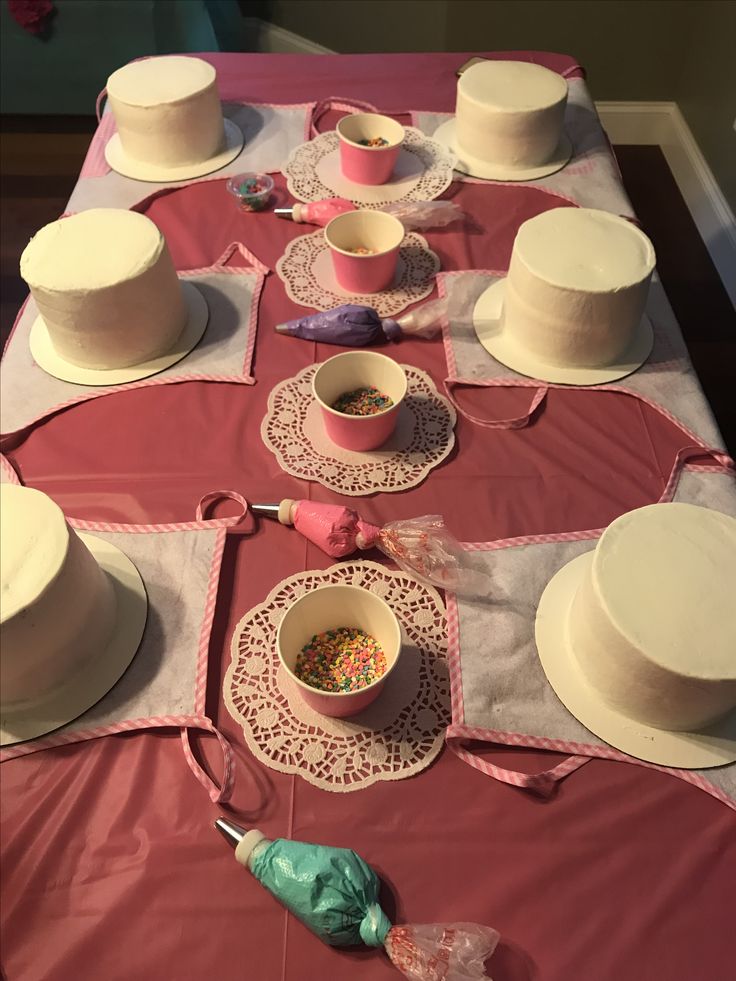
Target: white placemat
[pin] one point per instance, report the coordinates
(271, 133)
(225, 353)
(500, 692)
(667, 380)
(591, 178)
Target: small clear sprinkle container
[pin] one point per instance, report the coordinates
(251, 191)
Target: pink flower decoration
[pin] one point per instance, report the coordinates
(32, 15)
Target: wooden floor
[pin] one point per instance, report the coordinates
(40, 158)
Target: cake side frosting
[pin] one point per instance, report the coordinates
(510, 113)
(57, 607)
(577, 286)
(106, 287)
(167, 110)
(652, 624)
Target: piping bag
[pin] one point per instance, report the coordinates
(335, 894)
(354, 325)
(412, 214)
(421, 546)
(316, 212)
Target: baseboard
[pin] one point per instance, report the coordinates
(662, 124)
(272, 39)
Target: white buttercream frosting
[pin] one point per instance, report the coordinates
(152, 81)
(510, 112)
(57, 607)
(577, 286)
(585, 249)
(106, 287)
(167, 110)
(652, 625)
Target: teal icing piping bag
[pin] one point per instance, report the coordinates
(335, 894)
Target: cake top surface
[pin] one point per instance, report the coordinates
(666, 575)
(91, 250)
(582, 248)
(154, 81)
(512, 86)
(35, 539)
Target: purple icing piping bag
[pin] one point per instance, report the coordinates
(350, 324)
(354, 325)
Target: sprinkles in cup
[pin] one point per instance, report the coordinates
(341, 660)
(362, 402)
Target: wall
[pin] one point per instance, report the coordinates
(706, 91)
(363, 26)
(639, 50)
(88, 40)
(633, 50)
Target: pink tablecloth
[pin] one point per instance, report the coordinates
(111, 868)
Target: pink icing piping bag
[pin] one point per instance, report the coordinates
(336, 530)
(317, 212)
(412, 214)
(422, 546)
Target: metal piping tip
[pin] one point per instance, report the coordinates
(267, 510)
(282, 328)
(232, 833)
(283, 211)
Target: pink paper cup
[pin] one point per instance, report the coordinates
(368, 164)
(380, 233)
(326, 608)
(345, 373)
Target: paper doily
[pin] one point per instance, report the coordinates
(397, 736)
(306, 271)
(423, 172)
(292, 430)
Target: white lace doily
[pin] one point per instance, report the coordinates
(306, 271)
(292, 430)
(396, 737)
(423, 171)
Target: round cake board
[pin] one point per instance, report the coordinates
(46, 356)
(714, 746)
(98, 675)
(505, 348)
(476, 167)
(141, 171)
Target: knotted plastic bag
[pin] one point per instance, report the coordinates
(424, 214)
(441, 951)
(424, 547)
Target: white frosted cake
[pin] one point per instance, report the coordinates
(106, 288)
(577, 286)
(510, 113)
(57, 606)
(652, 624)
(167, 110)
